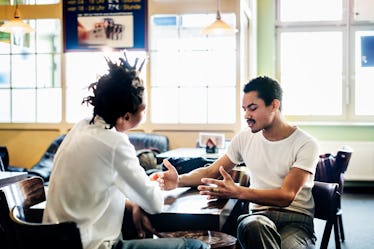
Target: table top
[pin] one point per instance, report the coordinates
(187, 200)
(191, 153)
(186, 209)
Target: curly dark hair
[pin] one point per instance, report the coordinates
(117, 92)
(267, 89)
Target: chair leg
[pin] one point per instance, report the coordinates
(336, 233)
(326, 235)
(341, 229)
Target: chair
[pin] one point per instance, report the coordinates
(22, 225)
(326, 198)
(4, 156)
(142, 140)
(44, 236)
(331, 168)
(2, 168)
(24, 193)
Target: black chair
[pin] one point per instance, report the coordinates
(24, 193)
(142, 140)
(147, 145)
(326, 198)
(2, 168)
(331, 168)
(4, 156)
(43, 236)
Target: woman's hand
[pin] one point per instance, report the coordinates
(168, 180)
(140, 219)
(214, 188)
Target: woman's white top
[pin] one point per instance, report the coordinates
(95, 170)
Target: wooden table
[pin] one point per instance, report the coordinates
(186, 209)
(7, 177)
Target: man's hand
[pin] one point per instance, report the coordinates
(214, 188)
(168, 180)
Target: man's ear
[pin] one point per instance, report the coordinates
(127, 116)
(276, 104)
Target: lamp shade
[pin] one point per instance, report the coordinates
(219, 27)
(16, 24)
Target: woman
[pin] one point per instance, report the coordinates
(96, 171)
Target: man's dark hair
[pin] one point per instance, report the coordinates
(117, 92)
(267, 89)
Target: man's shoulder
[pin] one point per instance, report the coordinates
(305, 140)
(300, 133)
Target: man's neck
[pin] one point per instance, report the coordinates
(278, 131)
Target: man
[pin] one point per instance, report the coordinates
(281, 160)
(96, 173)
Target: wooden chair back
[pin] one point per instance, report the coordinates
(43, 236)
(24, 193)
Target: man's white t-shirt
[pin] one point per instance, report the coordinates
(95, 170)
(270, 161)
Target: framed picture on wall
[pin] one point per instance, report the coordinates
(95, 25)
(218, 139)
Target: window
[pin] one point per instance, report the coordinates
(82, 69)
(325, 60)
(193, 77)
(30, 81)
(30, 71)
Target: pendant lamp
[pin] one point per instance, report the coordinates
(219, 27)
(16, 25)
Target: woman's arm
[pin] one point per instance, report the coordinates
(170, 178)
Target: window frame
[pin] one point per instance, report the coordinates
(347, 26)
(242, 70)
(205, 86)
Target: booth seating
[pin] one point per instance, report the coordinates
(147, 145)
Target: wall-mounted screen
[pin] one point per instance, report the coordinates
(97, 24)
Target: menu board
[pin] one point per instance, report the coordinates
(95, 24)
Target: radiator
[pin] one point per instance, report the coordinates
(361, 165)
